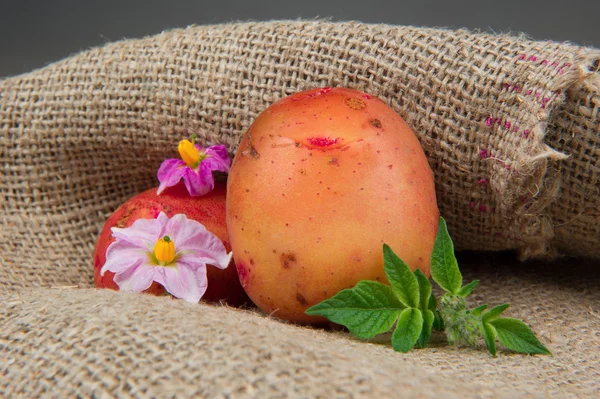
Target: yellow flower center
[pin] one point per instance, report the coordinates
(164, 250)
(189, 153)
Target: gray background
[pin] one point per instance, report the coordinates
(35, 33)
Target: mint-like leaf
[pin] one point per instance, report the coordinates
(517, 336)
(368, 309)
(479, 309)
(444, 267)
(438, 324)
(489, 334)
(408, 330)
(433, 304)
(428, 319)
(467, 289)
(494, 312)
(424, 290)
(401, 278)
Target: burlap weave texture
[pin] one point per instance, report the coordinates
(510, 127)
(97, 343)
(81, 135)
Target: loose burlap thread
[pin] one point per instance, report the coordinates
(509, 125)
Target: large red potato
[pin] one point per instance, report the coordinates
(321, 180)
(208, 209)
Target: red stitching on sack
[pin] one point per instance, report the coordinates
(545, 62)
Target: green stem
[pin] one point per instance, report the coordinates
(461, 326)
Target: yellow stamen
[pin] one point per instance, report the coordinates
(164, 250)
(189, 153)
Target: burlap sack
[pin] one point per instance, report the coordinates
(510, 127)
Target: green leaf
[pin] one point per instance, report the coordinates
(368, 309)
(401, 278)
(438, 324)
(408, 330)
(428, 318)
(432, 303)
(494, 312)
(489, 333)
(424, 290)
(467, 289)
(479, 309)
(444, 267)
(517, 336)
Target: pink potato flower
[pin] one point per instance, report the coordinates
(195, 167)
(173, 252)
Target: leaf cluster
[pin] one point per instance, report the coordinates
(408, 306)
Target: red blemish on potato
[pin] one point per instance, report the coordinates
(390, 166)
(324, 90)
(355, 103)
(252, 261)
(301, 299)
(322, 141)
(287, 260)
(243, 273)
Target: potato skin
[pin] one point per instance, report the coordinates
(320, 181)
(223, 285)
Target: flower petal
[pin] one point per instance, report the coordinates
(217, 158)
(142, 233)
(169, 173)
(183, 282)
(200, 182)
(136, 279)
(196, 259)
(122, 256)
(193, 240)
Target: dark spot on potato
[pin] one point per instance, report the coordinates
(122, 222)
(167, 209)
(355, 103)
(375, 123)
(390, 166)
(301, 299)
(251, 151)
(334, 161)
(247, 190)
(252, 261)
(274, 251)
(287, 260)
(377, 279)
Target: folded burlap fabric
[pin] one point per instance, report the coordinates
(510, 127)
(99, 343)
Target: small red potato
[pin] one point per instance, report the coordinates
(208, 209)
